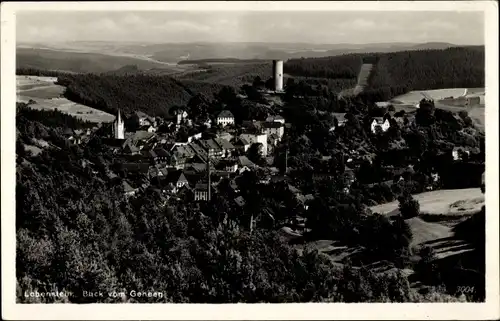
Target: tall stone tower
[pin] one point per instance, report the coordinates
(119, 127)
(278, 75)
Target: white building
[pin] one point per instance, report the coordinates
(379, 121)
(181, 115)
(119, 127)
(201, 192)
(256, 138)
(225, 118)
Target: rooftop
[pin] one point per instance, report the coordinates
(226, 114)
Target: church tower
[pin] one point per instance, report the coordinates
(119, 127)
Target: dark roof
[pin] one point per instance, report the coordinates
(127, 188)
(69, 131)
(340, 116)
(135, 167)
(141, 114)
(142, 135)
(272, 124)
(244, 161)
(161, 152)
(225, 113)
(176, 176)
(213, 145)
(201, 186)
(130, 148)
(224, 143)
(241, 141)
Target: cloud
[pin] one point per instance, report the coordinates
(436, 25)
(325, 27)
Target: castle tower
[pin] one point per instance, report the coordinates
(278, 75)
(119, 127)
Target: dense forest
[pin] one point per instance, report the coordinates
(220, 60)
(400, 72)
(125, 92)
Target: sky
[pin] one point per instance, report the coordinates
(247, 26)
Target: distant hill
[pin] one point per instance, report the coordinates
(175, 52)
(399, 72)
(49, 59)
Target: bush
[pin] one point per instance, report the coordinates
(409, 207)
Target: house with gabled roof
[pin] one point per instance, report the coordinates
(201, 192)
(175, 178)
(225, 118)
(379, 121)
(274, 128)
(226, 147)
(241, 144)
(240, 201)
(143, 119)
(128, 190)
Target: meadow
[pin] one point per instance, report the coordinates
(48, 95)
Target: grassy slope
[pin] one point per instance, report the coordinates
(48, 96)
(452, 202)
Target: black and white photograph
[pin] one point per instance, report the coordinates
(206, 155)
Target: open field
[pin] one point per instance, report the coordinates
(409, 100)
(451, 202)
(48, 95)
(413, 97)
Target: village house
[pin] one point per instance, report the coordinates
(161, 155)
(225, 118)
(225, 135)
(177, 179)
(228, 165)
(241, 144)
(210, 147)
(341, 120)
(458, 153)
(208, 122)
(128, 190)
(379, 121)
(226, 146)
(148, 128)
(142, 119)
(274, 128)
(240, 201)
(194, 137)
(180, 116)
(382, 104)
(201, 192)
(255, 139)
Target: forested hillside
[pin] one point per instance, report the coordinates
(400, 72)
(126, 92)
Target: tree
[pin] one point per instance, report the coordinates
(408, 206)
